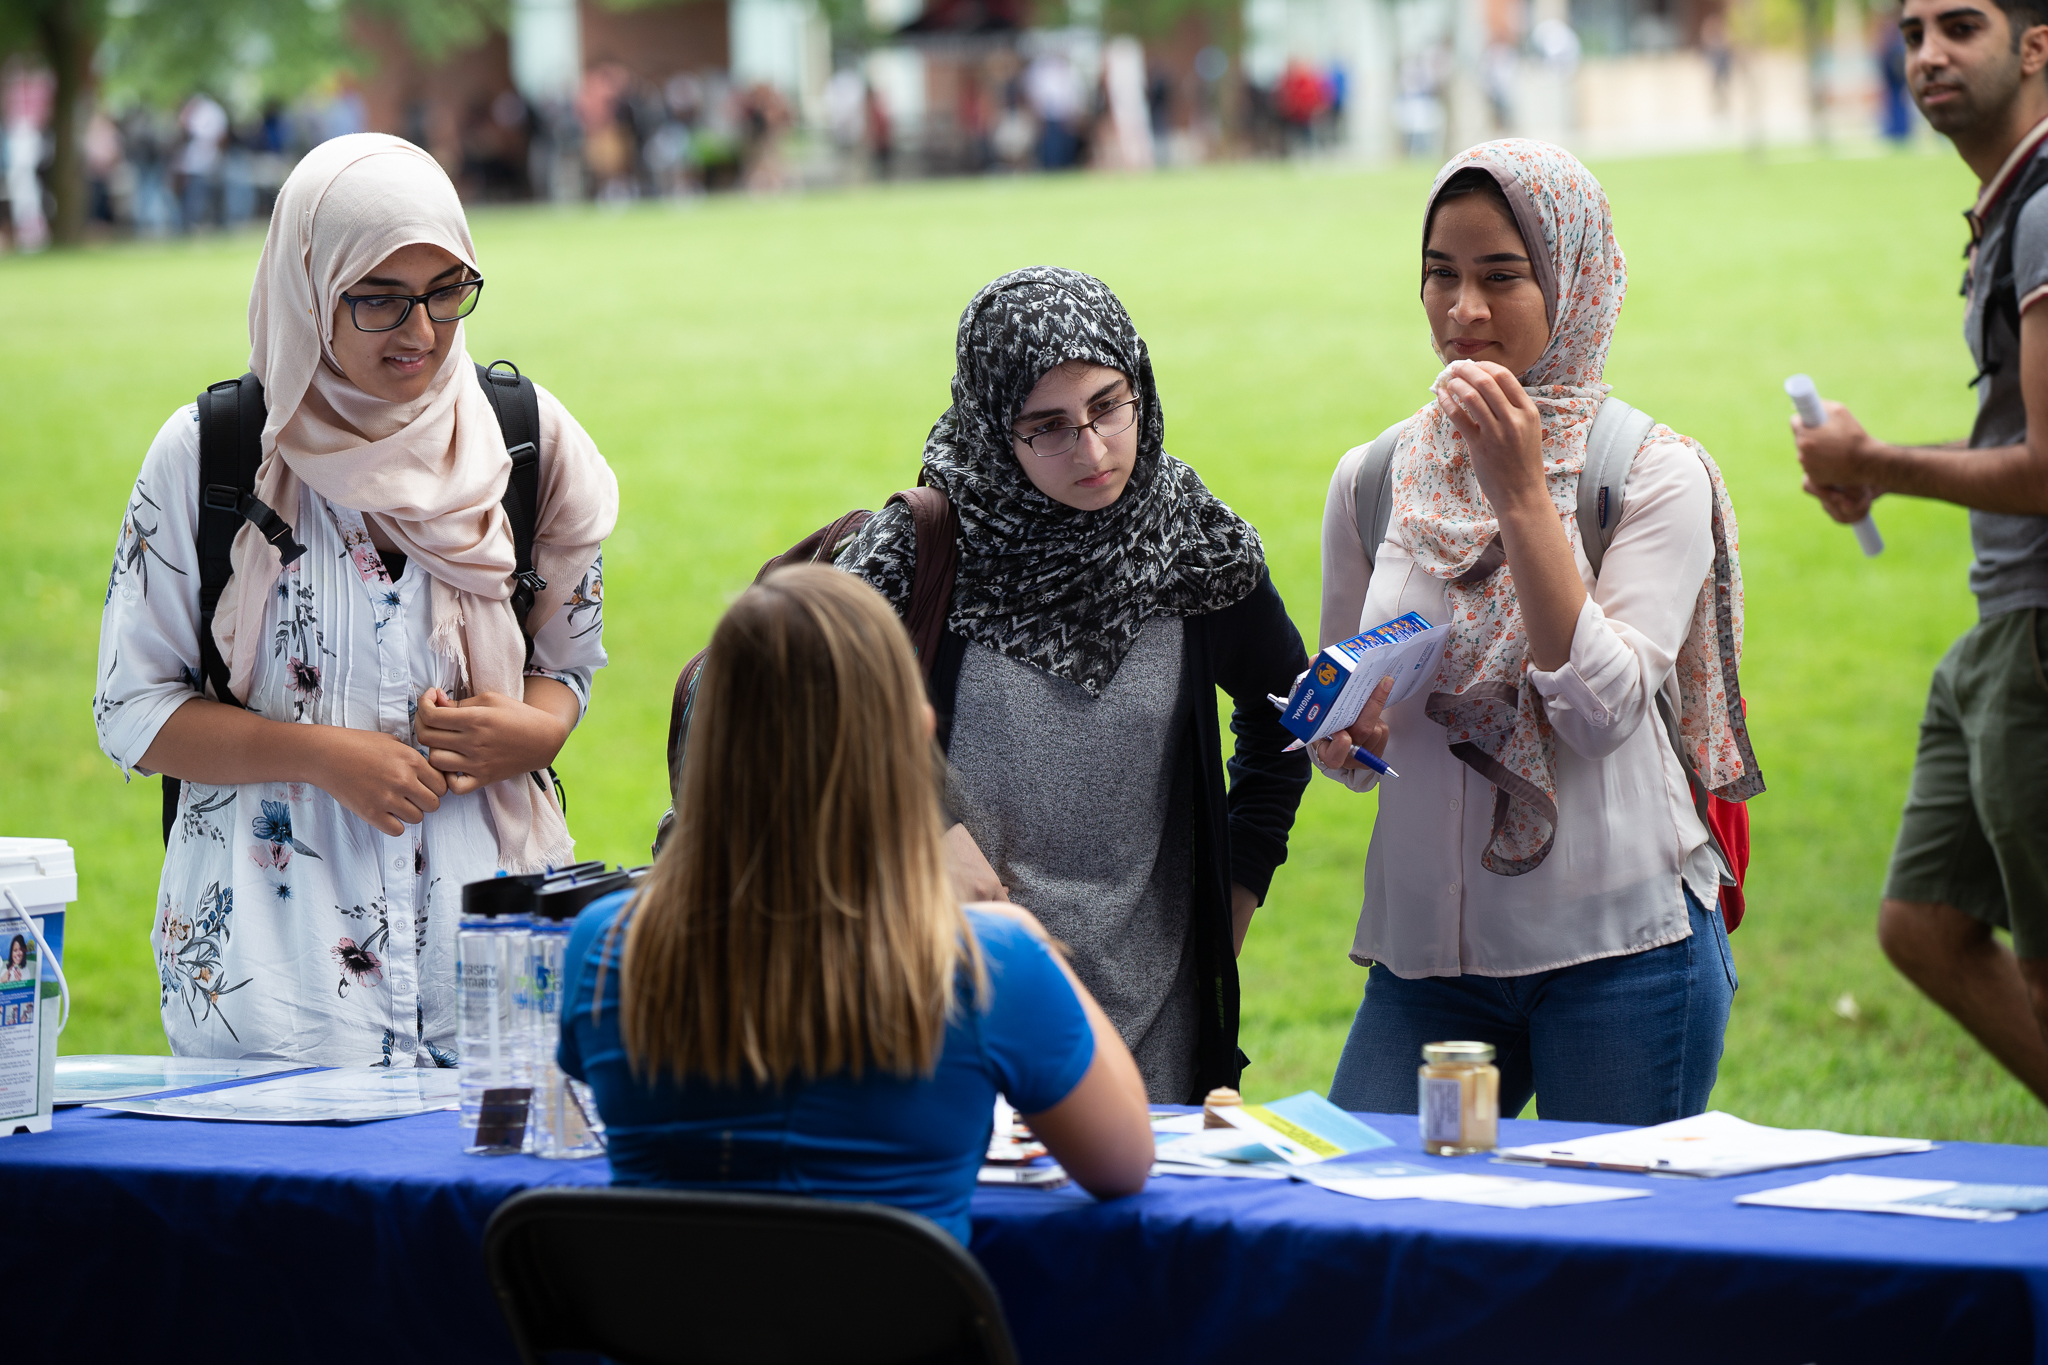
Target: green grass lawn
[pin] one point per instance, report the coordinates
(752, 368)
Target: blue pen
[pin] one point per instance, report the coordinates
(1372, 761)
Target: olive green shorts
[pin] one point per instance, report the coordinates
(1975, 832)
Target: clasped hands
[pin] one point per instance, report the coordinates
(470, 744)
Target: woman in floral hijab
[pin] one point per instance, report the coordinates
(1539, 878)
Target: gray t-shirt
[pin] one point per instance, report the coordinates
(1077, 804)
(2011, 568)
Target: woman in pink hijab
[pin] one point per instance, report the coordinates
(390, 715)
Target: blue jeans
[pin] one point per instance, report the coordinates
(1634, 1039)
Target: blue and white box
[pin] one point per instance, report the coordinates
(1329, 696)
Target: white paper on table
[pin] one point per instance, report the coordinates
(343, 1095)
(1497, 1191)
(1229, 1170)
(1872, 1194)
(1708, 1145)
(1177, 1123)
(84, 1078)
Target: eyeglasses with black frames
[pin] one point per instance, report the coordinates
(388, 312)
(1062, 440)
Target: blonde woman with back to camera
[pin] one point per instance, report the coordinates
(796, 1000)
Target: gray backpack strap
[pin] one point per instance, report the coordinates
(1373, 490)
(1618, 433)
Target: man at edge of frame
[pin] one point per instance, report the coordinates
(1972, 852)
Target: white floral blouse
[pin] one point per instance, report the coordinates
(287, 927)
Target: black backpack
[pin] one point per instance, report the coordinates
(2002, 299)
(231, 416)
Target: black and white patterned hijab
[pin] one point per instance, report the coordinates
(1060, 589)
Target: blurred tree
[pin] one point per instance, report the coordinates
(240, 50)
(65, 34)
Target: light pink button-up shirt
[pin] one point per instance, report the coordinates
(1626, 829)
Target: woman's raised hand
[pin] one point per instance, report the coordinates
(1502, 430)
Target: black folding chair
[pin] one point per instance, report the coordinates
(683, 1277)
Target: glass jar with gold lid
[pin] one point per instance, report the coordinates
(1459, 1100)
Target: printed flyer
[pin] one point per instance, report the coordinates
(20, 1020)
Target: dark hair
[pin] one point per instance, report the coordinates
(2021, 15)
(21, 943)
(1474, 180)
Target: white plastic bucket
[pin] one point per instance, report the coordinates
(38, 883)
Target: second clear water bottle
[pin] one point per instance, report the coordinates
(565, 1120)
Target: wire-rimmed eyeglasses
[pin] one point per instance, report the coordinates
(1062, 440)
(388, 312)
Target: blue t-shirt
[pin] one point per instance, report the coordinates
(913, 1143)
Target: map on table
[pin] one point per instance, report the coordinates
(342, 1095)
(84, 1079)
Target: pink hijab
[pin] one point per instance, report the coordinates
(1494, 721)
(429, 473)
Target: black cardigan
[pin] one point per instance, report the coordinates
(1238, 833)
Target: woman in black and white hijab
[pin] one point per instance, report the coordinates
(1103, 594)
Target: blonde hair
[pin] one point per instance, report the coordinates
(800, 920)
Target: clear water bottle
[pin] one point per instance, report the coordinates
(564, 1121)
(492, 946)
(566, 1125)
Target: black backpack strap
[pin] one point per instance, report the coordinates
(2002, 299)
(231, 415)
(516, 402)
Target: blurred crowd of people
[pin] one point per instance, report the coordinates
(202, 165)
(1014, 103)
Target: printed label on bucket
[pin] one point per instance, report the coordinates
(20, 1024)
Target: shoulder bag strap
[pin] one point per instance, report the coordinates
(937, 528)
(1372, 491)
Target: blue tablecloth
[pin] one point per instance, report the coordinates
(133, 1238)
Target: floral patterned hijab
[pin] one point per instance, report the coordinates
(1494, 719)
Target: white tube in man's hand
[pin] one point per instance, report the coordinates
(1806, 401)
